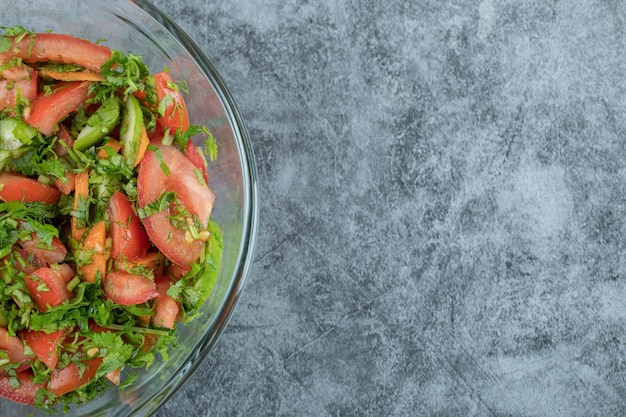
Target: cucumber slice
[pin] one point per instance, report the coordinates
(130, 134)
(99, 124)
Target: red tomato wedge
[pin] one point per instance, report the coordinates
(176, 271)
(65, 271)
(128, 289)
(13, 346)
(53, 255)
(67, 186)
(49, 109)
(193, 154)
(63, 135)
(31, 262)
(166, 309)
(26, 392)
(195, 196)
(19, 81)
(11, 91)
(47, 287)
(17, 187)
(153, 261)
(18, 72)
(44, 345)
(72, 377)
(128, 236)
(175, 115)
(57, 48)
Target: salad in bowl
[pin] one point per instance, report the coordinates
(107, 239)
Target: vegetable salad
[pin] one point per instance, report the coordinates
(106, 234)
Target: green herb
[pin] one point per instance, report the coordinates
(160, 204)
(159, 157)
(122, 72)
(5, 44)
(210, 146)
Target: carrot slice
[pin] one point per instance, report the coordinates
(111, 143)
(95, 246)
(81, 195)
(143, 146)
(71, 75)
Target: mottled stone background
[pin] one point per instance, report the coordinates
(442, 208)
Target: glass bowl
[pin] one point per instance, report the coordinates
(139, 27)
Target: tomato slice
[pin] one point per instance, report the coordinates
(196, 158)
(49, 109)
(166, 309)
(57, 48)
(128, 236)
(19, 81)
(175, 114)
(72, 377)
(129, 289)
(63, 135)
(153, 261)
(65, 271)
(67, 186)
(47, 287)
(52, 255)
(17, 72)
(31, 262)
(13, 346)
(25, 393)
(17, 187)
(194, 195)
(44, 345)
(12, 91)
(176, 271)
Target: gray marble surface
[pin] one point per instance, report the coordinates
(443, 208)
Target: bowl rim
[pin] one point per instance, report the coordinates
(251, 211)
